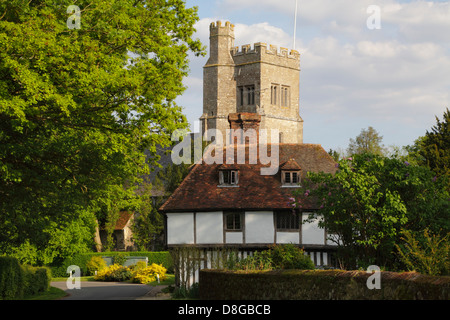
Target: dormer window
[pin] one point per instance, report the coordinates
(291, 177)
(290, 174)
(228, 177)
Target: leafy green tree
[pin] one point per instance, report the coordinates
(434, 147)
(78, 107)
(370, 199)
(368, 141)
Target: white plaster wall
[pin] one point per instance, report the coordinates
(311, 233)
(209, 227)
(287, 237)
(259, 227)
(180, 228)
(234, 237)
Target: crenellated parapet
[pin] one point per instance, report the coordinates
(219, 28)
(262, 47)
(261, 52)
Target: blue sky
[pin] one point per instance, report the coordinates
(395, 79)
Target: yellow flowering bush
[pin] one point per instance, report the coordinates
(149, 273)
(114, 272)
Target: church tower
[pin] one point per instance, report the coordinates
(261, 80)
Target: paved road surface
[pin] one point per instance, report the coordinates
(96, 290)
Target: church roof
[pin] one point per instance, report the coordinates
(200, 190)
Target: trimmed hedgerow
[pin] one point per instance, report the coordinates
(37, 279)
(11, 279)
(16, 281)
(319, 285)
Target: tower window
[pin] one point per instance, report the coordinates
(274, 95)
(251, 95)
(241, 96)
(285, 96)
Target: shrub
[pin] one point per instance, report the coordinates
(289, 256)
(427, 254)
(284, 256)
(120, 258)
(81, 260)
(114, 272)
(183, 293)
(11, 278)
(149, 274)
(258, 261)
(36, 279)
(96, 263)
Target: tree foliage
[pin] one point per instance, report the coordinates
(370, 199)
(434, 147)
(368, 141)
(79, 106)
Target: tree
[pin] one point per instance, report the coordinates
(368, 141)
(434, 148)
(370, 199)
(78, 107)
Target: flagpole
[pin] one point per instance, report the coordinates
(295, 22)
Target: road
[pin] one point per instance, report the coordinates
(96, 290)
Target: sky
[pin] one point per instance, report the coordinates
(358, 69)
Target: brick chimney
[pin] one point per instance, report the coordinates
(249, 124)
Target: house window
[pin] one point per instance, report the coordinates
(233, 221)
(285, 96)
(290, 178)
(228, 177)
(251, 95)
(287, 220)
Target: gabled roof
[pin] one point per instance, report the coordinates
(199, 191)
(291, 164)
(124, 217)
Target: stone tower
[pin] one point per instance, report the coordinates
(259, 80)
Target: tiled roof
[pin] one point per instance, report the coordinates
(199, 191)
(124, 217)
(291, 164)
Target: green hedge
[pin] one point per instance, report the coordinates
(80, 260)
(17, 281)
(37, 279)
(319, 285)
(12, 278)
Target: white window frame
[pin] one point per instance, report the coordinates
(233, 177)
(292, 174)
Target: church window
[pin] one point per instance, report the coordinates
(274, 94)
(241, 96)
(251, 95)
(285, 96)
